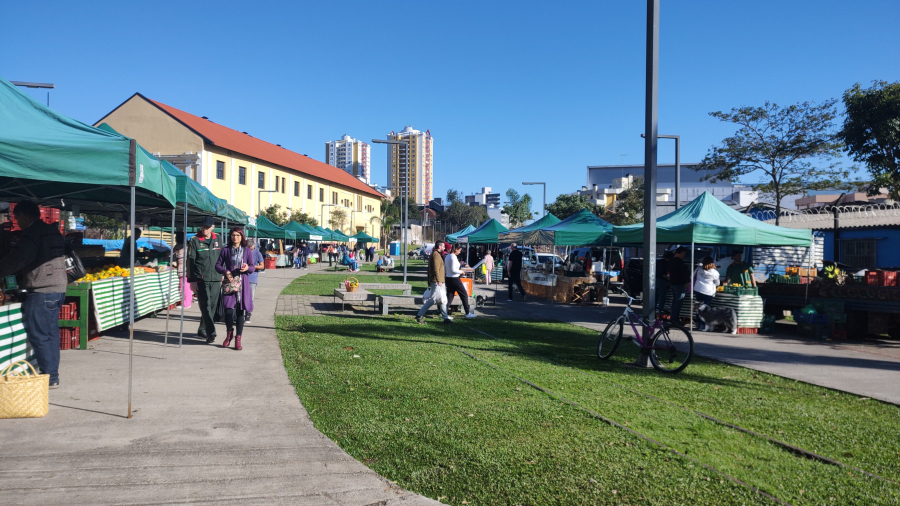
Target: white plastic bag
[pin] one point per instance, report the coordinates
(440, 294)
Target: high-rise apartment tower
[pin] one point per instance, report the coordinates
(351, 156)
(421, 164)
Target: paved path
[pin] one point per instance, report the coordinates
(210, 426)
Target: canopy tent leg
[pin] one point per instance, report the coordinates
(692, 287)
(131, 310)
(183, 279)
(169, 287)
(808, 268)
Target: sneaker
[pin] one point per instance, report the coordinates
(54, 385)
(448, 320)
(470, 315)
(211, 339)
(247, 318)
(509, 300)
(420, 320)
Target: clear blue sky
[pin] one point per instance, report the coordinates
(511, 91)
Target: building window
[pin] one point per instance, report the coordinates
(260, 180)
(309, 191)
(334, 198)
(242, 175)
(296, 188)
(321, 194)
(283, 180)
(861, 254)
(220, 170)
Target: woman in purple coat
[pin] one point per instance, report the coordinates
(236, 261)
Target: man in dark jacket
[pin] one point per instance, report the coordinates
(680, 281)
(436, 279)
(203, 253)
(514, 273)
(40, 258)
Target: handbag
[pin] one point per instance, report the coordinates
(23, 395)
(233, 286)
(74, 268)
(220, 309)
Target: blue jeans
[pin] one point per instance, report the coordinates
(430, 302)
(662, 286)
(40, 316)
(677, 301)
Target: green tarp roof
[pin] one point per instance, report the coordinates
(303, 232)
(707, 220)
(363, 237)
(327, 235)
(486, 233)
(518, 234)
(581, 229)
(451, 238)
(268, 230)
(50, 157)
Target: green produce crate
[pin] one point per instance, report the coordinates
(750, 290)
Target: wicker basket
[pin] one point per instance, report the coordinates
(351, 286)
(23, 395)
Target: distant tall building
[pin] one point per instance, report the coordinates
(421, 164)
(351, 156)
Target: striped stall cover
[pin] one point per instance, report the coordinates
(14, 344)
(110, 297)
(749, 308)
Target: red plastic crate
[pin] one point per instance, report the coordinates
(48, 215)
(69, 338)
(881, 278)
(747, 330)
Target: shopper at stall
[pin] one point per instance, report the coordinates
(125, 254)
(488, 266)
(514, 274)
(203, 253)
(39, 258)
(662, 280)
(706, 279)
(236, 262)
(455, 286)
(187, 295)
(679, 280)
(436, 280)
(253, 278)
(739, 272)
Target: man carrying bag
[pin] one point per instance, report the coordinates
(436, 279)
(203, 253)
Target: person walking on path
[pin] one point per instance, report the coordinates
(40, 257)
(679, 280)
(662, 280)
(488, 266)
(706, 279)
(253, 278)
(452, 272)
(739, 272)
(236, 262)
(187, 296)
(372, 253)
(203, 253)
(515, 273)
(436, 280)
(330, 255)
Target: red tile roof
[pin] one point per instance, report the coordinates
(227, 138)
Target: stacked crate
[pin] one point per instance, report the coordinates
(881, 278)
(69, 338)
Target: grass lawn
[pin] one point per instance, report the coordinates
(442, 424)
(324, 284)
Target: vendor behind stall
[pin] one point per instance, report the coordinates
(40, 258)
(739, 272)
(125, 256)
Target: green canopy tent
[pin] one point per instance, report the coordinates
(268, 230)
(52, 159)
(362, 236)
(327, 235)
(303, 232)
(581, 229)
(518, 234)
(487, 233)
(451, 238)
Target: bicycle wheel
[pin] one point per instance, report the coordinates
(671, 349)
(610, 338)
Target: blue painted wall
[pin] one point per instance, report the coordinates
(887, 244)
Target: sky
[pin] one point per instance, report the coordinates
(511, 91)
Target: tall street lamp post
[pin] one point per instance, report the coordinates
(545, 196)
(405, 199)
(322, 214)
(47, 86)
(677, 166)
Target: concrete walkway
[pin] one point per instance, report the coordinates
(210, 426)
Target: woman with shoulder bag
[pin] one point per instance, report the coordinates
(236, 263)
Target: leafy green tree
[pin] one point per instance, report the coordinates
(412, 208)
(518, 208)
(103, 225)
(459, 215)
(303, 218)
(454, 195)
(778, 143)
(629, 206)
(871, 133)
(337, 219)
(276, 215)
(567, 205)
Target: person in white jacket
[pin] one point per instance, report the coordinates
(453, 270)
(706, 279)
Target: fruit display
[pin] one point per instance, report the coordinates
(114, 271)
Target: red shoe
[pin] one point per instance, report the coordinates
(237, 343)
(228, 339)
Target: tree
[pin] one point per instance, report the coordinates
(778, 142)
(276, 215)
(387, 218)
(518, 208)
(871, 133)
(629, 206)
(459, 215)
(110, 226)
(412, 207)
(567, 205)
(303, 218)
(454, 195)
(337, 219)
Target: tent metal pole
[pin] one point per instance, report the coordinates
(183, 278)
(692, 287)
(169, 285)
(133, 305)
(808, 268)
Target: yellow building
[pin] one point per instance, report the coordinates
(249, 173)
(420, 163)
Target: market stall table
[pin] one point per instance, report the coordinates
(747, 308)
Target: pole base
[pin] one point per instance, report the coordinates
(642, 362)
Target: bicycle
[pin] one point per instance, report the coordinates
(671, 347)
